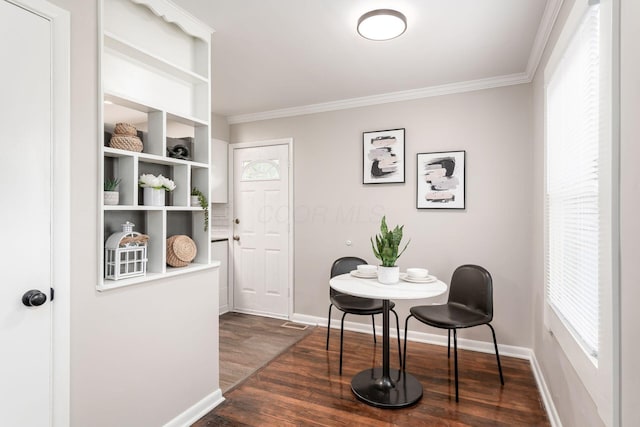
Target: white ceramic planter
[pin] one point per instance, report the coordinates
(195, 203)
(388, 275)
(153, 196)
(111, 198)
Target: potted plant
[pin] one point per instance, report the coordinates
(111, 194)
(385, 248)
(154, 188)
(197, 198)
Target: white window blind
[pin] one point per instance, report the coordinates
(572, 202)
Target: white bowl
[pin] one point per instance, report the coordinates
(367, 269)
(417, 273)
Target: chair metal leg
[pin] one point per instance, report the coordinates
(329, 325)
(455, 358)
(495, 344)
(398, 332)
(404, 353)
(448, 343)
(373, 324)
(341, 340)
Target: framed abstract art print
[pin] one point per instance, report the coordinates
(383, 156)
(441, 180)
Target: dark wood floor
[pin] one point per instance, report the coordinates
(249, 342)
(301, 387)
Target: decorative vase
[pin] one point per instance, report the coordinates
(153, 196)
(195, 203)
(111, 198)
(388, 275)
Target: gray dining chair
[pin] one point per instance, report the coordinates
(470, 304)
(350, 304)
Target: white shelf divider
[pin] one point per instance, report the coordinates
(148, 89)
(112, 41)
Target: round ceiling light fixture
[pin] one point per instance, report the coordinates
(382, 24)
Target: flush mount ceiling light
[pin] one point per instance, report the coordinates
(382, 24)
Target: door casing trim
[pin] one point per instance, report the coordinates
(231, 174)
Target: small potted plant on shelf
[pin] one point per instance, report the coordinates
(197, 198)
(111, 194)
(154, 188)
(385, 248)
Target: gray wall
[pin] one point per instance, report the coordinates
(143, 354)
(573, 402)
(139, 355)
(630, 204)
(219, 126)
(332, 205)
(575, 406)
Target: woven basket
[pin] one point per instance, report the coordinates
(125, 129)
(130, 143)
(181, 250)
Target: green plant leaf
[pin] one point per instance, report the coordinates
(387, 244)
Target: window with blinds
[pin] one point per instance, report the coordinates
(573, 184)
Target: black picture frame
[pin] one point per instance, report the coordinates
(383, 156)
(441, 180)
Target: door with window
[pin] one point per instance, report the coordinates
(261, 230)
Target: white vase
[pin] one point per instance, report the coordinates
(195, 203)
(388, 275)
(111, 198)
(153, 196)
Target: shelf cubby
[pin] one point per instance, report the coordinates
(155, 76)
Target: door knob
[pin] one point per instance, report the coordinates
(236, 238)
(33, 298)
(237, 221)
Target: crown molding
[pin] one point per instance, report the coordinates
(547, 21)
(549, 17)
(365, 101)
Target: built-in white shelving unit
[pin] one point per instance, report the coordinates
(155, 72)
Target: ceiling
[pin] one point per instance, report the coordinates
(284, 57)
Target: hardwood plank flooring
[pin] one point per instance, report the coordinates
(249, 342)
(302, 387)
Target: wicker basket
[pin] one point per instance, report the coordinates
(125, 129)
(181, 250)
(130, 143)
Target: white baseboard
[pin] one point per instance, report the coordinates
(463, 343)
(552, 413)
(197, 411)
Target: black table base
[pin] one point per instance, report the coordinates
(398, 390)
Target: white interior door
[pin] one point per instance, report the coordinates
(25, 219)
(261, 230)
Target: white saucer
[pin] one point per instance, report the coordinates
(356, 273)
(428, 279)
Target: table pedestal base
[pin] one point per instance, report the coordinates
(398, 391)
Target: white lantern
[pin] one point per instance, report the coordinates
(125, 254)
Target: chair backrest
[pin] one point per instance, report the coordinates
(344, 265)
(472, 286)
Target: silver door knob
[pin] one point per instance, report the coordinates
(236, 238)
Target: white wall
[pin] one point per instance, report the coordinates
(332, 205)
(139, 355)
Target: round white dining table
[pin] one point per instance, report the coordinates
(384, 387)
